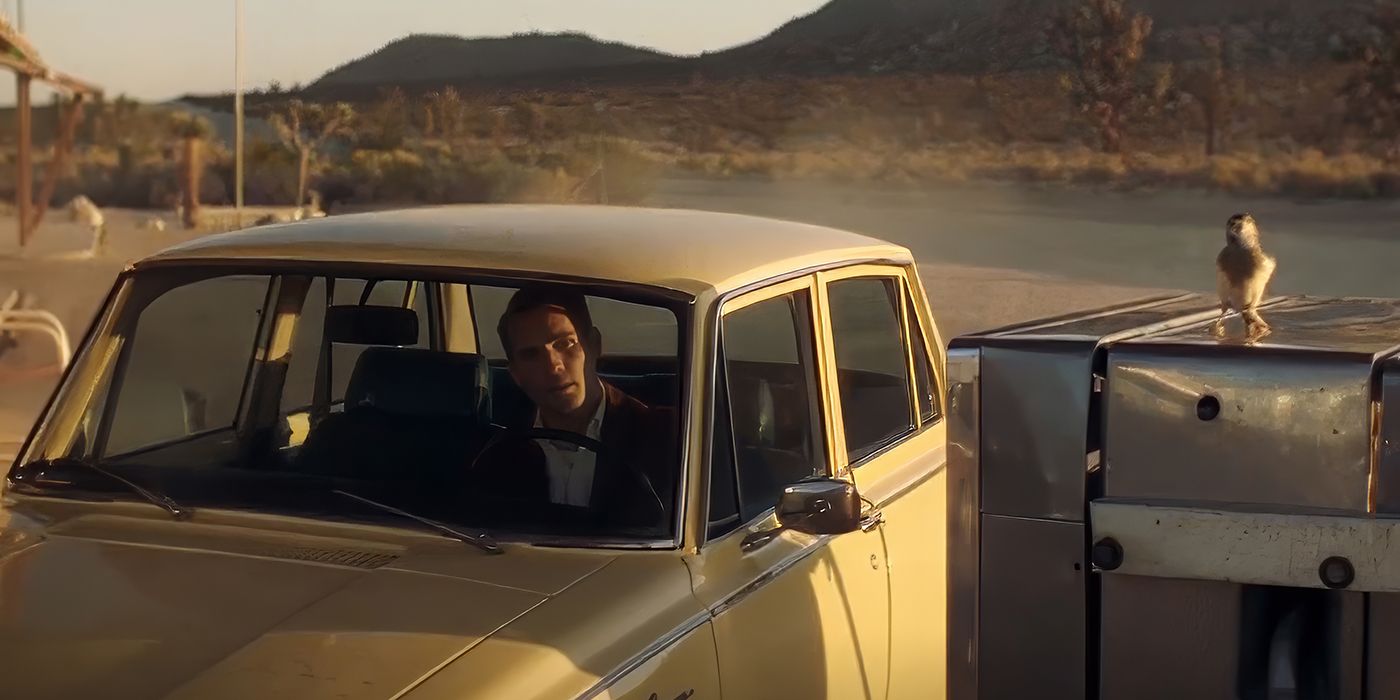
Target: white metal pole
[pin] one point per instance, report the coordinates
(238, 112)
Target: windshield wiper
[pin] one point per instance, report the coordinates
(32, 474)
(481, 540)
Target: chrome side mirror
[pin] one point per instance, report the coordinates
(820, 507)
(816, 506)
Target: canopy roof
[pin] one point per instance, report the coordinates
(18, 55)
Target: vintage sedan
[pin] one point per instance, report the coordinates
(329, 459)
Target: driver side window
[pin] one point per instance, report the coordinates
(767, 415)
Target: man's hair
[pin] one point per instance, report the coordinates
(528, 298)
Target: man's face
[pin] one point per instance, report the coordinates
(550, 361)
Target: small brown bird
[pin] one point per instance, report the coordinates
(1242, 271)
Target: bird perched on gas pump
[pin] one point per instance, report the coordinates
(1242, 272)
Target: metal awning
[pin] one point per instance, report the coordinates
(19, 56)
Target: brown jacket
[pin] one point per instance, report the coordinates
(633, 476)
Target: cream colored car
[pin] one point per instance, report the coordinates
(262, 476)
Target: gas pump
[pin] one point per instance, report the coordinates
(1139, 510)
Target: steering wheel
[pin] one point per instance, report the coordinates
(506, 436)
(512, 435)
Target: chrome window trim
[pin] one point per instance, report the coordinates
(803, 272)
(886, 445)
(427, 273)
(684, 398)
(661, 644)
(916, 324)
(749, 524)
(711, 385)
(893, 443)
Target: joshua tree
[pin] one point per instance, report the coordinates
(447, 111)
(192, 131)
(304, 127)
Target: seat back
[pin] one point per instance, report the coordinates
(421, 383)
(410, 414)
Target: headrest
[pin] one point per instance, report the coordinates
(372, 325)
(416, 382)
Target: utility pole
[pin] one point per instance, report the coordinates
(24, 184)
(237, 112)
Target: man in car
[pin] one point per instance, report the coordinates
(626, 477)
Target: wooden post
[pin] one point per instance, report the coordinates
(190, 171)
(63, 145)
(24, 171)
(238, 113)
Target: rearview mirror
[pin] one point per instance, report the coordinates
(372, 325)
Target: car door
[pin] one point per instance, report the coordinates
(794, 615)
(891, 444)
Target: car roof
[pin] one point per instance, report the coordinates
(684, 250)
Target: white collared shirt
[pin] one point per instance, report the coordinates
(569, 466)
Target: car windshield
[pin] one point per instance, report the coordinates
(548, 411)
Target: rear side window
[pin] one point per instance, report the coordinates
(871, 364)
(924, 384)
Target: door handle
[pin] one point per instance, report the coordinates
(755, 540)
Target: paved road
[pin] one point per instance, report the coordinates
(1004, 253)
(989, 255)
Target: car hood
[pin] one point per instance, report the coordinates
(116, 606)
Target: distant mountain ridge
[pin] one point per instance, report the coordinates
(848, 36)
(990, 35)
(427, 58)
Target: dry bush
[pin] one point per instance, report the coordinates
(1307, 174)
(384, 124)
(898, 129)
(513, 182)
(1103, 42)
(1372, 91)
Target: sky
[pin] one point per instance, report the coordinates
(158, 49)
